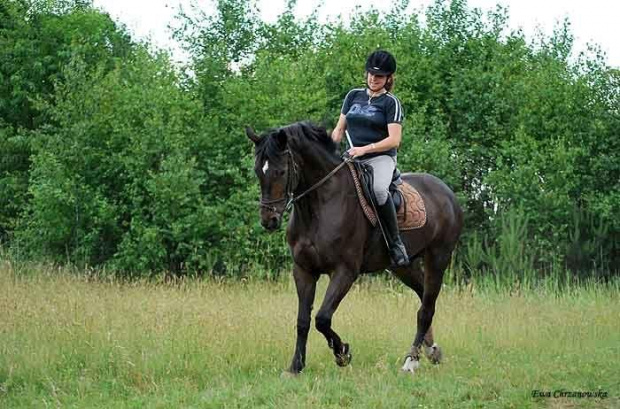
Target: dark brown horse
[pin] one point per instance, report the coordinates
(328, 233)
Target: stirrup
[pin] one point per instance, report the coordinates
(398, 255)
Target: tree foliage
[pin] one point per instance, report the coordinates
(112, 157)
(37, 40)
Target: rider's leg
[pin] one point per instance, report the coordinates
(383, 168)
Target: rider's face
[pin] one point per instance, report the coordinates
(376, 82)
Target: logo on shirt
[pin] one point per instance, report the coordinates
(364, 110)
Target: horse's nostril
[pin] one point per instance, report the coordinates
(273, 223)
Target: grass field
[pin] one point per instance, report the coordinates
(74, 341)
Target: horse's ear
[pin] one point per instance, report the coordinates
(281, 138)
(252, 135)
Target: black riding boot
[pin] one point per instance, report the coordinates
(398, 253)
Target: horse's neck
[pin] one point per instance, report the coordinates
(313, 170)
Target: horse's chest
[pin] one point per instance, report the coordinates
(321, 254)
(321, 243)
(306, 254)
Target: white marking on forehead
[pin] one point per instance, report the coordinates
(266, 166)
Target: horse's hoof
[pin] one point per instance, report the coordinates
(433, 353)
(344, 358)
(410, 365)
(289, 375)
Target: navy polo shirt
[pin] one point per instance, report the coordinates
(368, 118)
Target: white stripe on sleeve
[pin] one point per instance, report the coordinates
(398, 112)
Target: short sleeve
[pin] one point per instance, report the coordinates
(346, 105)
(394, 111)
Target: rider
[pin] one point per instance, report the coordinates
(373, 117)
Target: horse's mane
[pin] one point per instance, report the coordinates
(300, 136)
(308, 132)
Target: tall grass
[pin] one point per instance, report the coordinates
(508, 260)
(84, 340)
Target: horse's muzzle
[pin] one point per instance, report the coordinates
(271, 222)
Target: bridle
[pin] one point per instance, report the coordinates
(267, 204)
(291, 183)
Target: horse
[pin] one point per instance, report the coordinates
(298, 166)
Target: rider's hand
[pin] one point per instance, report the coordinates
(358, 151)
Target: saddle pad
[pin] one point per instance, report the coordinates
(412, 213)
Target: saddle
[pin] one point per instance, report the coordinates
(410, 209)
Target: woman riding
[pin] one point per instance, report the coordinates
(373, 118)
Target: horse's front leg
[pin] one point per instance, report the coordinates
(339, 284)
(306, 286)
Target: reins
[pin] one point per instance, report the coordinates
(290, 196)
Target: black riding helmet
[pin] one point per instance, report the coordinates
(381, 63)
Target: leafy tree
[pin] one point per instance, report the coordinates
(37, 39)
(114, 178)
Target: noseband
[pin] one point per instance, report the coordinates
(289, 196)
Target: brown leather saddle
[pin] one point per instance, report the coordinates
(410, 209)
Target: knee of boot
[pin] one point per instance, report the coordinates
(382, 196)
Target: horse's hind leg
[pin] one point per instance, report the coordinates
(435, 263)
(339, 284)
(413, 277)
(431, 349)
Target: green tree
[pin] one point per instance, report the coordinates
(115, 178)
(37, 39)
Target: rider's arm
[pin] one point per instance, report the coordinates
(338, 131)
(392, 141)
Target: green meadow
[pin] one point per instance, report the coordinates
(86, 341)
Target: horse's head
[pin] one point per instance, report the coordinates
(275, 169)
